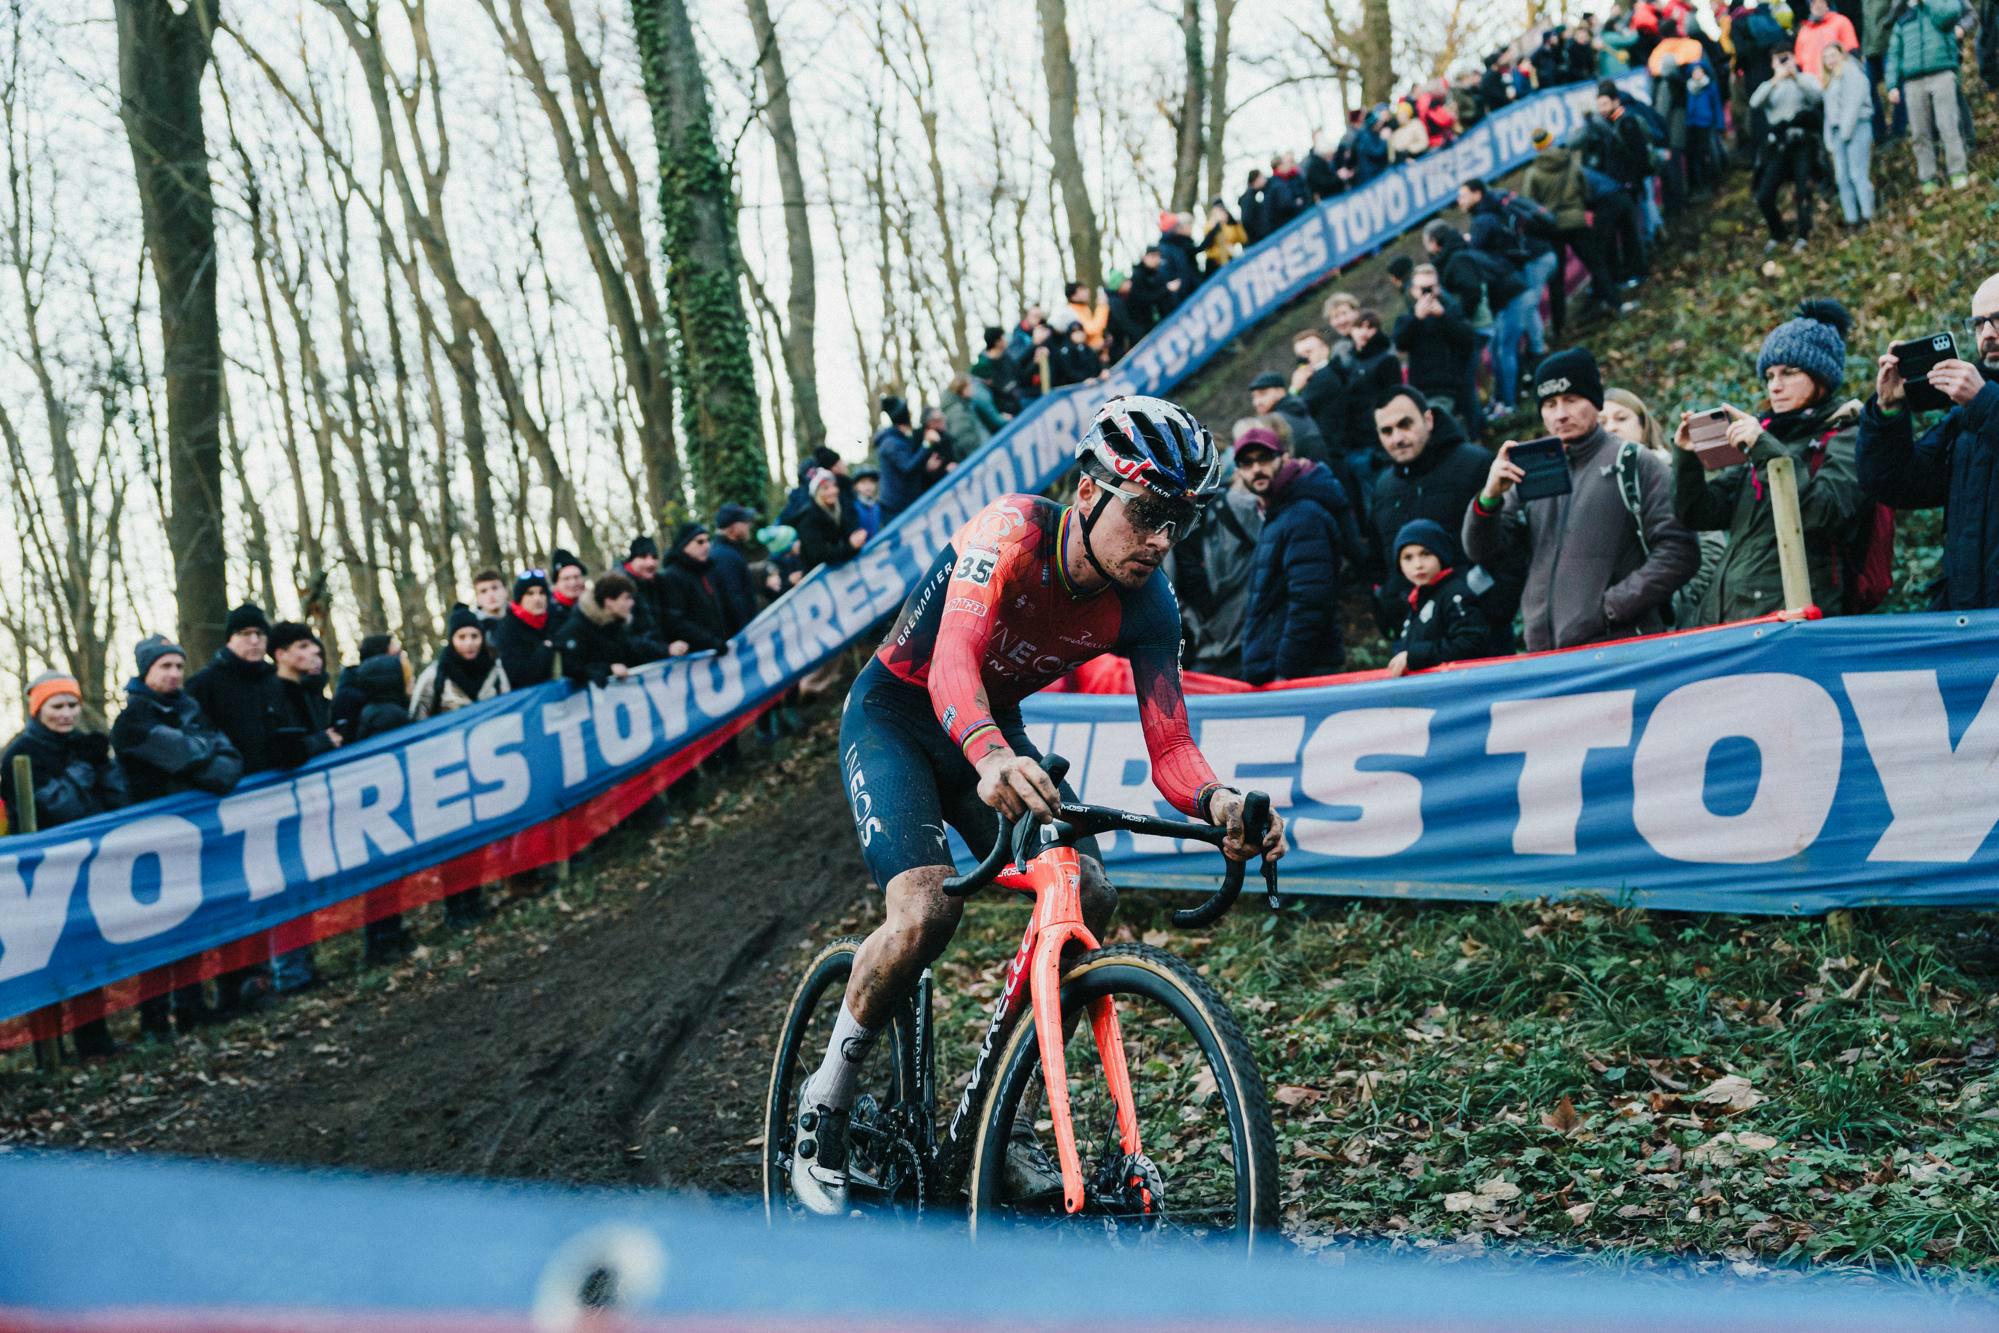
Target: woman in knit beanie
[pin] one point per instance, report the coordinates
(1806, 419)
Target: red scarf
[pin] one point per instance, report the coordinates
(1417, 591)
(531, 621)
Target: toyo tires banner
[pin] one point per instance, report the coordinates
(1773, 767)
(107, 898)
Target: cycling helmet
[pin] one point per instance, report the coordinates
(1155, 444)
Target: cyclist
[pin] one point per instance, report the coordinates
(1025, 592)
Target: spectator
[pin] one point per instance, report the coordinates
(781, 569)
(567, 578)
(733, 552)
(1371, 151)
(1624, 146)
(1789, 106)
(1020, 345)
(165, 745)
(1849, 133)
(1921, 69)
(867, 498)
(1706, 122)
(1497, 231)
(1891, 118)
(465, 672)
(1339, 312)
(598, 644)
(1626, 416)
(1073, 362)
(1550, 63)
(1410, 138)
(1375, 369)
(1486, 286)
(830, 532)
(1319, 380)
(1291, 624)
(1268, 395)
(1554, 181)
(1177, 253)
(1322, 175)
(1225, 237)
(693, 617)
(1127, 325)
(1254, 206)
(1595, 572)
(238, 691)
(522, 639)
(1619, 230)
(1433, 473)
(1211, 575)
(1286, 190)
(1149, 300)
(489, 596)
(909, 467)
(997, 371)
(1438, 342)
(1826, 27)
(969, 413)
(1802, 363)
(305, 731)
(642, 568)
(1955, 464)
(348, 697)
(800, 497)
(71, 777)
(1443, 621)
(383, 682)
(1093, 318)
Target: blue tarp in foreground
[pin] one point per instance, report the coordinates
(1770, 767)
(111, 897)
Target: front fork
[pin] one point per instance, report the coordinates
(1046, 982)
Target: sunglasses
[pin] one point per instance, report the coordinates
(1152, 514)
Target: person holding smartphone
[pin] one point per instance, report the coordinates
(1596, 570)
(1802, 362)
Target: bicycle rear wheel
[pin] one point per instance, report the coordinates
(1208, 1161)
(887, 1143)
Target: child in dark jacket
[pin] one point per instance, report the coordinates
(1445, 623)
(382, 685)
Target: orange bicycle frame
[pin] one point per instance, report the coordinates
(1054, 880)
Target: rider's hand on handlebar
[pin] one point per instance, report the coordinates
(1014, 785)
(1225, 811)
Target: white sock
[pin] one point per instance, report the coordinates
(834, 1083)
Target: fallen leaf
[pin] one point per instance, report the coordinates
(1291, 1094)
(1204, 1084)
(1730, 1090)
(1499, 1190)
(1579, 1212)
(1563, 1119)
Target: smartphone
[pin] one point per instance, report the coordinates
(1546, 464)
(1709, 432)
(1917, 358)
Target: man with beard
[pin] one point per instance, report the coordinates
(1291, 619)
(1954, 464)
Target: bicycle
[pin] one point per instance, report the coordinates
(1177, 1072)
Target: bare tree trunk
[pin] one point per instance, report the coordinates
(1377, 46)
(161, 56)
(1189, 125)
(1218, 98)
(1059, 67)
(801, 305)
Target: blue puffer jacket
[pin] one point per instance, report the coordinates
(1291, 621)
(1955, 464)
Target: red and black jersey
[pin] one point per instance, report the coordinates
(997, 619)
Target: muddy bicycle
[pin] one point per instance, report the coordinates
(1173, 1137)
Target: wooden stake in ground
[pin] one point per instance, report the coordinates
(21, 819)
(1782, 475)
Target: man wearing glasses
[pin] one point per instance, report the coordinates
(1955, 463)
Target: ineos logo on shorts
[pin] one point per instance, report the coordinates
(857, 796)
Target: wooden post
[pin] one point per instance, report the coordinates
(1043, 362)
(1782, 474)
(555, 673)
(21, 818)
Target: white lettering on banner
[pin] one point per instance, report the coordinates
(33, 910)
(784, 619)
(496, 766)
(886, 583)
(440, 785)
(366, 793)
(315, 827)
(563, 720)
(1796, 728)
(817, 633)
(1390, 802)
(850, 599)
(1944, 800)
(171, 842)
(621, 720)
(1118, 773)
(718, 684)
(256, 815)
(1228, 743)
(667, 690)
(1555, 736)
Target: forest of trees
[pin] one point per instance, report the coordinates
(327, 303)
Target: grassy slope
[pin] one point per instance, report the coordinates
(1626, 1083)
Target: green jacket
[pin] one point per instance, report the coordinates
(1554, 180)
(1875, 26)
(1748, 580)
(1923, 40)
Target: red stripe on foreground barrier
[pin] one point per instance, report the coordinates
(554, 839)
(1112, 675)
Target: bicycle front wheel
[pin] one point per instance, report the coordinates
(1207, 1165)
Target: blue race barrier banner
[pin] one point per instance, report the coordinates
(104, 899)
(1770, 767)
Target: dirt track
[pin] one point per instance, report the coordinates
(627, 1045)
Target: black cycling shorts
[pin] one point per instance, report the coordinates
(906, 779)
